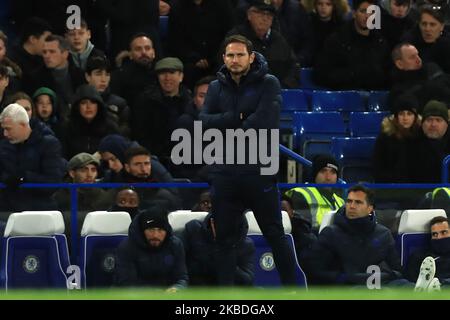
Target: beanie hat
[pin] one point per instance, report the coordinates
(435, 108)
(155, 217)
(116, 144)
(406, 102)
(47, 91)
(82, 159)
(323, 161)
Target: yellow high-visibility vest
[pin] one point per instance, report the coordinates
(447, 190)
(318, 204)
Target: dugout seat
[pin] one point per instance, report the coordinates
(265, 271)
(34, 251)
(101, 234)
(414, 232)
(179, 218)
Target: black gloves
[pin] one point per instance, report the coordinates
(13, 181)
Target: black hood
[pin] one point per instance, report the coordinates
(87, 91)
(136, 234)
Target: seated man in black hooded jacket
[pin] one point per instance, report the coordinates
(152, 255)
(199, 243)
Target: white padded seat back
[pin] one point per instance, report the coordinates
(327, 220)
(34, 223)
(253, 227)
(418, 220)
(105, 222)
(179, 218)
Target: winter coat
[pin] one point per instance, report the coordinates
(349, 59)
(437, 52)
(393, 28)
(394, 149)
(83, 136)
(200, 246)
(156, 116)
(345, 249)
(139, 265)
(130, 80)
(254, 103)
(428, 155)
(427, 83)
(37, 160)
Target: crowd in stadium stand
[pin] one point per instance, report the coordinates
(101, 102)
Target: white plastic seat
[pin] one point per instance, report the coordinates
(327, 220)
(253, 227)
(179, 218)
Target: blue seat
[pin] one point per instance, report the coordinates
(101, 234)
(378, 101)
(413, 231)
(266, 274)
(306, 81)
(313, 131)
(294, 100)
(354, 156)
(35, 253)
(342, 101)
(163, 27)
(365, 124)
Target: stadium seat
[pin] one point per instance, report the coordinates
(179, 218)
(378, 101)
(414, 232)
(101, 234)
(354, 156)
(314, 130)
(365, 124)
(327, 220)
(265, 272)
(342, 101)
(34, 251)
(294, 100)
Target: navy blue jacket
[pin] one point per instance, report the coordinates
(344, 250)
(37, 160)
(200, 247)
(140, 265)
(254, 103)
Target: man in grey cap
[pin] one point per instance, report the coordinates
(433, 144)
(83, 168)
(169, 99)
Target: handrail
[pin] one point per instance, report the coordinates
(301, 159)
(295, 156)
(444, 172)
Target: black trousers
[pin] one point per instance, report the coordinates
(231, 195)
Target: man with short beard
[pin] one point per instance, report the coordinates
(137, 73)
(151, 256)
(138, 169)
